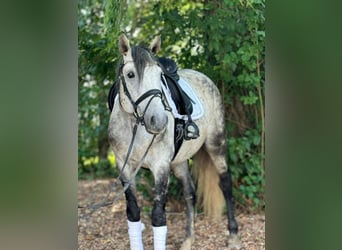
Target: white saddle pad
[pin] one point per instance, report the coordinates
(197, 111)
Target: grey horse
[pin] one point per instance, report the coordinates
(141, 112)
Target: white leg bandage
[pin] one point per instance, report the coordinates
(135, 235)
(159, 237)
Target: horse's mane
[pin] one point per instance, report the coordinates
(141, 57)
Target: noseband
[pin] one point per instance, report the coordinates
(152, 92)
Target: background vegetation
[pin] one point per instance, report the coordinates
(225, 39)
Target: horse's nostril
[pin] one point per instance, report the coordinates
(153, 120)
(156, 124)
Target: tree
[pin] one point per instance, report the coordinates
(96, 73)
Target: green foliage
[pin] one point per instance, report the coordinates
(96, 66)
(144, 181)
(246, 168)
(224, 39)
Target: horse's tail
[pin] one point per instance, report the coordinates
(209, 194)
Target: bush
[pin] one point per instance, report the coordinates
(245, 163)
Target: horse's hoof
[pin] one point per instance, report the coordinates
(234, 242)
(186, 245)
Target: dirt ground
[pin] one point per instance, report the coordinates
(106, 228)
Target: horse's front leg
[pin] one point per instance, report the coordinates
(135, 226)
(161, 177)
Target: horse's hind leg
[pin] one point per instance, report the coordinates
(216, 148)
(226, 187)
(181, 171)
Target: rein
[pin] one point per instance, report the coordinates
(126, 183)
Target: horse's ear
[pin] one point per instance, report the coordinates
(123, 44)
(155, 45)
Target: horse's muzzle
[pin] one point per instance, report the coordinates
(155, 124)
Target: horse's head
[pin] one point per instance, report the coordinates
(140, 85)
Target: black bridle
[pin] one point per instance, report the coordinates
(150, 93)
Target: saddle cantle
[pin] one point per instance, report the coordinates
(114, 90)
(170, 67)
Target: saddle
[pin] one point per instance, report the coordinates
(184, 129)
(182, 100)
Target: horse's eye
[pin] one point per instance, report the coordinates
(130, 74)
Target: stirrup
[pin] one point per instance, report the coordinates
(191, 131)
